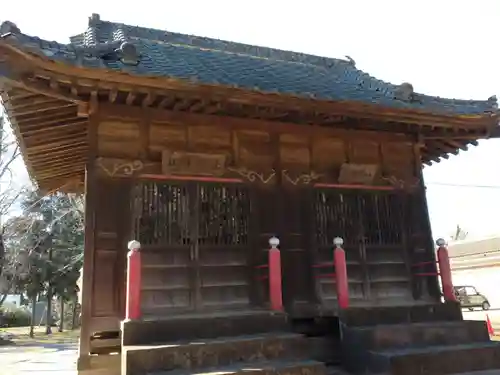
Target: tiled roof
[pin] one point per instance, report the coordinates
(149, 52)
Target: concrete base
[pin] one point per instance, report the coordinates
(430, 341)
(439, 312)
(104, 364)
(201, 326)
(196, 355)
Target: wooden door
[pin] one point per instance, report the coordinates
(195, 246)
(336, 214)
(375, 227)
(285, 213)
(223, 247)
(163, 225)
(384, 253)
(295, 229)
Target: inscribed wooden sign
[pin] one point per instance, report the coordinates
(190, 163)
(358, 173)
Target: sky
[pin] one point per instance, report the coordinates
(442, 47)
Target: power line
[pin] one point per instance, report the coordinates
(470, 186)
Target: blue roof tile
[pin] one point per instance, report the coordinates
(210, 61)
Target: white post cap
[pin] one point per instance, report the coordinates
(338, 241)
(274, 242)
(134, 245)
(440, 242)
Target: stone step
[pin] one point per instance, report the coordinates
(324, 349)
(199, 354)
(416, 334)
(436, 360)
(257, 368)
(370, 316)
(336, 370)
(201, 326)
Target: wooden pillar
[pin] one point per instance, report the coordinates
(89, 247)
(432, 281)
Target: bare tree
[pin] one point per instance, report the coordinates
(459, 234)
(9, 194)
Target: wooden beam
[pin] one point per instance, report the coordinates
(75, 163)
(148, 100)
(19, 105)
(60, 172)
(33, 85)
(130, 98)
(58, 129)
(113, 94)
(233, 123)
(167, 101)
(38, 109)
(82, 150)
(54, 119)
(54, 146)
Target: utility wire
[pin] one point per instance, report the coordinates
(470, 186)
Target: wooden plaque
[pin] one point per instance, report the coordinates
(190, 163)
(363, 174)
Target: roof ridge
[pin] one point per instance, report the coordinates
(152, 34)
(206, 43)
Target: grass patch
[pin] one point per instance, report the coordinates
(20, 336)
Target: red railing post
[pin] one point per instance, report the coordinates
(445, 270)
(133, 298)
(275, 288)
(341, 273)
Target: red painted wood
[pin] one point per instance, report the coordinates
(191, 178)
(359, 187)
(275, 284)
(445, 273)
(341, 277)
(133, 306)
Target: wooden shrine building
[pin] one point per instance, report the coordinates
(202, 150)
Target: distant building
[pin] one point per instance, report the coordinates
(477, 263)
(13, 299)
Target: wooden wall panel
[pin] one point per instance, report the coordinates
(164, 135)
(112, 210)
(322, 151)
(364, 151)
(295, 152)
(104, 283)
(399, 159)
(119, 139)
(255, 150)
(327, 153)
(209, 137)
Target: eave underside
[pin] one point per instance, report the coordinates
(52, 137)
(46, 113)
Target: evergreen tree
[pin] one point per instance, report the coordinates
(50, 232)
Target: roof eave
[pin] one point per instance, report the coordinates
(41, 61)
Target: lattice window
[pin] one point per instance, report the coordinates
(336, 215)
(166, 213)
(162, 213)
(224, 215)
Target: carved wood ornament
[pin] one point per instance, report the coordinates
(402, 184)
(303, 179)
(119, 167)
(253, 176)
